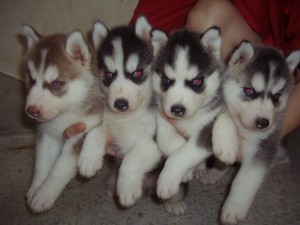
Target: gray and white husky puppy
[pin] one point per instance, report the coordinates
(125, 58)
(62, 90)
(188, 78)
(256, 90)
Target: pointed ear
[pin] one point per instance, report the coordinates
(242, 54)
(211, 39)
(77, 48)
(143, 28)
(31, 35)
(293, 60)
(158, 40)
(99, 33)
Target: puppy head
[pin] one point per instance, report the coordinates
(187, 71)
(258, 85)
(57, 73)
(124, 62)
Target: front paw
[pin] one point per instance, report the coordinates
(167, 185)
(88, 165)
(128, 192)
(233, 212)
(226, 151)
(40, 201)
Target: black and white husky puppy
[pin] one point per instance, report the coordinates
(188, 78)
(62, 90)
(256, 91)
(125, 58)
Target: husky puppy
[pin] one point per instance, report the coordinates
(256, 92)
(188, 78)
(124, 57)
(62, 90)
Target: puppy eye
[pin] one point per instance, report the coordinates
(276, 97)
(137, 74)
(250, 92)
(167, 82)
(197, 82)
(108, 75)
(57, 85)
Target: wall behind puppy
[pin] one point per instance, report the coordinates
(48, 16)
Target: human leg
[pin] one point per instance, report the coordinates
(292, 116)
(223, 14)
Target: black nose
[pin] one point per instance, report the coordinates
(178, 110)
(121, 104)
(262, 123)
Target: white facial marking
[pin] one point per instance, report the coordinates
(182, 67)
(32, 70)
(258, 82)
(278, 86)
(132, 63)
(51, 74)
(115, 62)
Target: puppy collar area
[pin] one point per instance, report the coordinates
(173, 122)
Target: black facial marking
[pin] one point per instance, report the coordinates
(197, 84)
(108, 77)
(197, 56)
(166, 82)
(131, 45)
(137, 77)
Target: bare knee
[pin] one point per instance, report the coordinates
(223, 14)
(208, 13)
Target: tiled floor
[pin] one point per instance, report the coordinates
(85, 202)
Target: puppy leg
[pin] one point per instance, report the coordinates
(141, 159)
(225, 139)
(62, 172)
(243, 190)
(176, 166)
(47, 152)
(93, 149)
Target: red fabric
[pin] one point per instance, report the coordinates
(168, 15)
(276, 21)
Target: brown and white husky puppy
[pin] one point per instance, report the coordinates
(62, 90)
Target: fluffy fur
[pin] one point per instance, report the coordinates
(256, 92)
(62, 90)
(124, 58)
(188, 78)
